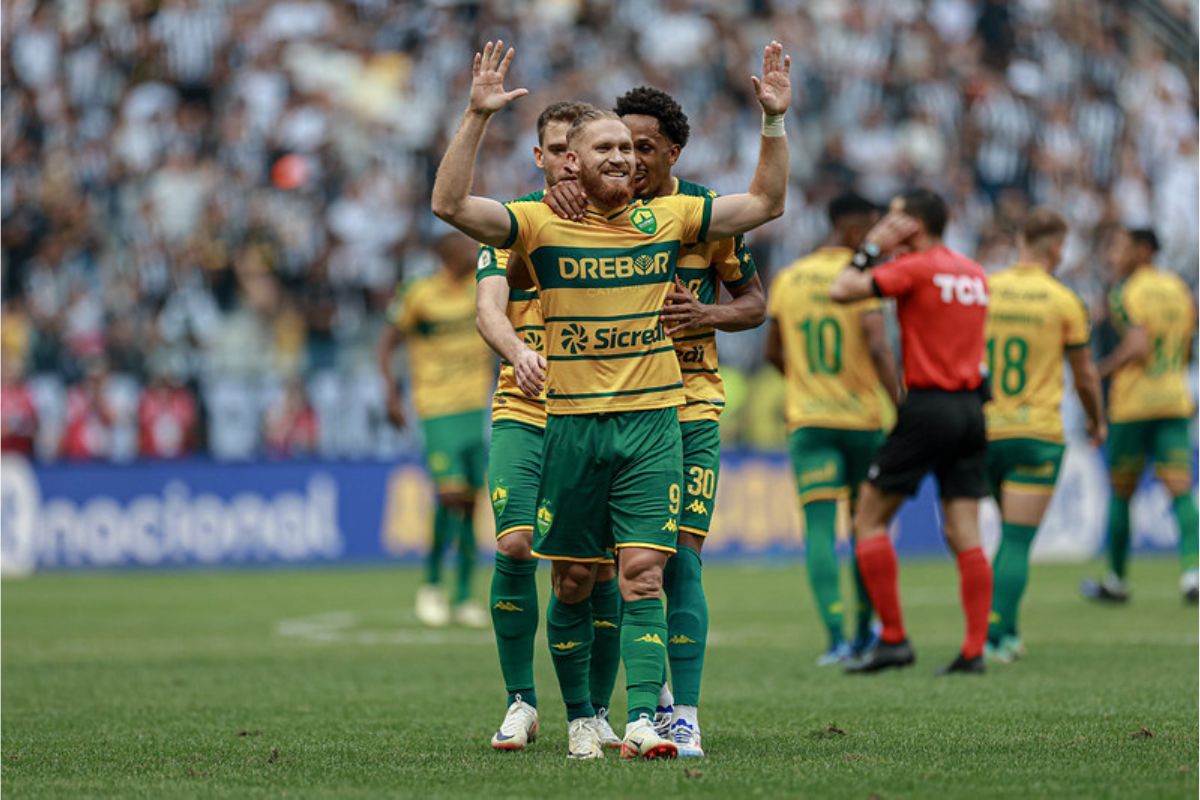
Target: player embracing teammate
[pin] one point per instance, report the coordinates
(613, 454)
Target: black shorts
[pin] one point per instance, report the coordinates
(939, 432)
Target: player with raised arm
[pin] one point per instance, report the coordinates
(1150, 405)
(660, 132)
(451, 371)
(1034, 323)
(613, 456)
(835, 359)
(510, 320)
(941, 303)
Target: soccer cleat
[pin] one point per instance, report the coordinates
(1110, 589)
(863, 644)
(686, 739)
(1189, 587)
(432, 609)
(663, 717)
(642, 741)
(604, 731)
(969, 666)
(838, 654)
(883, 656)
(520, 727)
(1006, 651)
(582, 742)
(470, 614)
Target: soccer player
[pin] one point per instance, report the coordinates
(660, 131)
(941, 302)
(613, 456)
(1150, 406)
(451, 372)
(835, 358)
(510, 320)
(1033, 323)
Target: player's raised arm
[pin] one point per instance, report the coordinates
(482, 219)
(737, 213)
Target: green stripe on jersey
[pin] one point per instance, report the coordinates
(602, 317)
(607, 356)
(605, 267)
(624, 393)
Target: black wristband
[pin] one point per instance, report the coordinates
(865, 257)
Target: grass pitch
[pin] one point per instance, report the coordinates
(320, 684)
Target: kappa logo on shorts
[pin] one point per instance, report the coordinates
(545, 518)
(505, 605)
(651, 638)
(670, 525)
(499, 499)
(696, 507)
(644, 220)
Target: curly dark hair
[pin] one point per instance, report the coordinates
(658, 104)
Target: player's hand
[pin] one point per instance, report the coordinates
(683, 311)
(395, 409)
(1097, 432)
(487, 80)
(530, 372)
(774, 88)
(566, 199)
(893, 230)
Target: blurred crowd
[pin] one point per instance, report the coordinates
(206, 204)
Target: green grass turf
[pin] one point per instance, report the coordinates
(320, 684)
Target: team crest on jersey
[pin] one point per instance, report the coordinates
(644, 220)
(545, 518)
(485, 258)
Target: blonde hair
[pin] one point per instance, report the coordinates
(586, 118)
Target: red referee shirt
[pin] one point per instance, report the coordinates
(941, 301)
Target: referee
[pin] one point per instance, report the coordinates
(941, 303)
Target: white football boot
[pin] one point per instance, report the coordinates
(520, 727)
(686, 738)
(433, 610)
(582, 741)
(642, 741)
(604, 731)
(470, 614)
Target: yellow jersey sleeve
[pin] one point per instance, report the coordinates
(693, 213)
(1077, 329)
(525, 217)
(402, 310)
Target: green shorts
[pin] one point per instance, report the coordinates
(1029, 465)
(514, 472)
(701, 466)
(831, 463)
(609, 481)
(454, 450)
(1166, 442)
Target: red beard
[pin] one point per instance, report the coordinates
(605, 194)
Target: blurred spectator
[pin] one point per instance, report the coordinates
(291, 423)
(167, 417)
(18, 412)
(235, 186)
(91, 417)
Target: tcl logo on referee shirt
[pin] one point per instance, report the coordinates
(963, 289)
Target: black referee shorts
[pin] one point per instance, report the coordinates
(939, 432)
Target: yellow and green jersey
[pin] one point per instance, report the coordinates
(1032, 320)
(602, 283)
(831, 380)
(450, 367)
(525, 314)
(1155, 388)
(701, 265)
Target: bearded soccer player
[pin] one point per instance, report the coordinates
(451, 372)
(835, 359)
(1034, 322)
(941, 303)
(1149, 405)
(510, 320)
(660, 131)
(613, 456)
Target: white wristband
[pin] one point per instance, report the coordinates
(772, 125)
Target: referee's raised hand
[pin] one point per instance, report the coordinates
(894, 229)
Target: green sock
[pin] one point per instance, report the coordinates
(1184, 507)
(687, 624)
(464, 530)
(437, 548)
(820, 557)
(606, 646)
(863, 610)
(1118, 535)
(514, 602)
(644, 651)
(1010, 571)
(569, 631)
